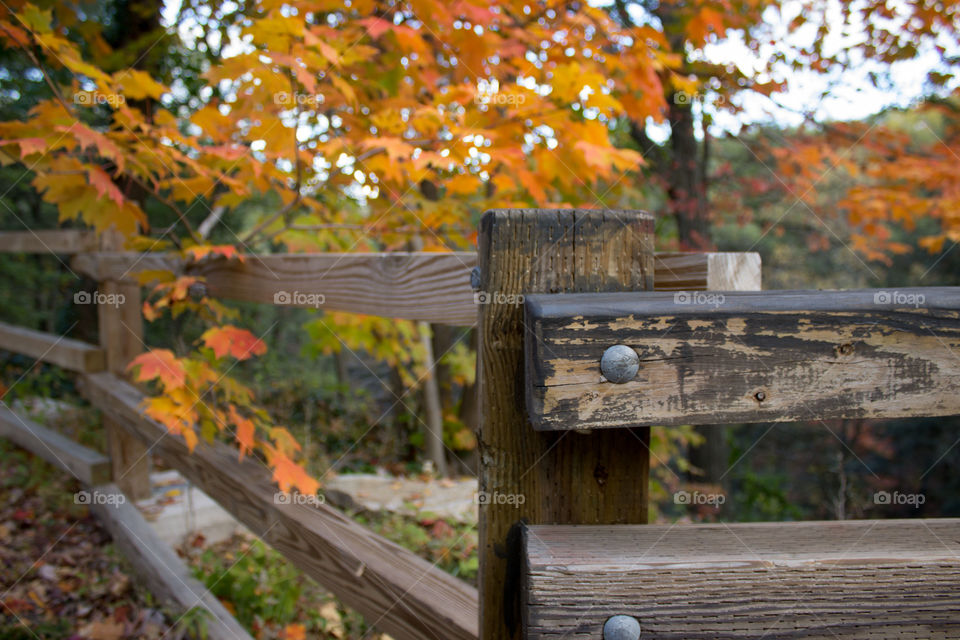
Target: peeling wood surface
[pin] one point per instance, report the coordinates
(86, 465)
(849, 579)
(731, 357)
(434, 287)
(70, 354)
(395, 590)
(600, 478)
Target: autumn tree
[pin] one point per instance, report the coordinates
(368, 128)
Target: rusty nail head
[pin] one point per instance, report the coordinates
(619, 364)
(846, 349)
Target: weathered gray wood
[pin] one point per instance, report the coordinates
(434, 287)
(70, 354)
(548, 477)
(725, 272)
(86, 465)
(744, 357)
(57, 241)
(396, 591)
(161, 570)
(849, 579)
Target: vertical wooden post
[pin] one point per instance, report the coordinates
(121, 336)
(548, 477)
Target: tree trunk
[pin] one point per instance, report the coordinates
(433, 435)
(686, 178)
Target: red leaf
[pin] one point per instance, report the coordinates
(162, 364)
(245, 431)
(104, 185)
(239, 343)
(27, 145)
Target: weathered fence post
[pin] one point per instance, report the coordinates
(121, 336)
(544, 477)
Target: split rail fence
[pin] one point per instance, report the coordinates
(569, 431)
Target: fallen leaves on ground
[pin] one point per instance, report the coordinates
(60, 578)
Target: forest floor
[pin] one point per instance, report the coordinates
(62, 578)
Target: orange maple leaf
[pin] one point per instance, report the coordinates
(161, 364)
(288, 474)
(239, 343)
(245, 431)
(200, 252)
(104, 185)
(294, 632)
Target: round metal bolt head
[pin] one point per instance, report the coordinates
(621, 628)
(619, 364)
(475, 278)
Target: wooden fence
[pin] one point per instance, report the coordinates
(570, 379)
(578, 354)
(393, 588)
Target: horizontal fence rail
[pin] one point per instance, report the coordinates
(434, 287)
(158, 566)
(729, 357)
(70, 354)
(57, 241)
(86, 465)
(394, 589)
(848, 579)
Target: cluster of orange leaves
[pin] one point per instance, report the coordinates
(368, 116)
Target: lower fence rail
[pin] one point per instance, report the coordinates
(394, 589)
(846, 579)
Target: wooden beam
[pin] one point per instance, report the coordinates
(121, 335)
(434, 287)
(736, 357)
(848, 579)
(86, 465)
(726, 271)
(124, 266)
(161, 570)
(70, 354)
(395, 590)
(57, 241)
(541, 477)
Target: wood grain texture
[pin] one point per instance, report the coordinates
(70, 354)
(559, 477)
(745, 357)
(124, 266)
(395, 590)
(849, 579)
(57, 241)
(121, 335)
(735, 271)
(158, 566)
(434, 287)
(86, 465)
